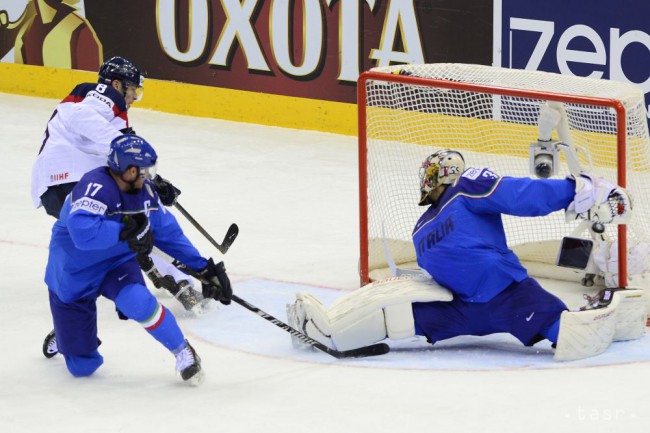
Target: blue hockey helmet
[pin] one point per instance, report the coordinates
(119, 68)
(132, 151)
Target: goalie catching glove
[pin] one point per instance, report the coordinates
(217, 285)
(599, 201)
(167, 192)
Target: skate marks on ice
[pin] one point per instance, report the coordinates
(236, 328)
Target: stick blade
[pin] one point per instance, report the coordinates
(363, 352)
(230, 237)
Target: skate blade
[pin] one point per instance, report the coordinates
(197, 379)
(204, 307)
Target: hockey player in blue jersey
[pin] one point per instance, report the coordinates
(461, 243)
(474, 284)
(112, 215)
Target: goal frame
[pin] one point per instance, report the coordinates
(365, 77)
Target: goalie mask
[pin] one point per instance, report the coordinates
(442, 168)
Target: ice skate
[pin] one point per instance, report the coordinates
(296, 318)
(191, 299)
(188, 363)
(599, 300)
(50, 349)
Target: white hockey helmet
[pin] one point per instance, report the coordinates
(442, 168)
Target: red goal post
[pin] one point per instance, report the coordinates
(490, 115)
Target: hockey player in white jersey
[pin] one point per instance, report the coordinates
(77, 139)
(77, 136)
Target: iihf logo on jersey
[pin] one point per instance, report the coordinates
(59, 177)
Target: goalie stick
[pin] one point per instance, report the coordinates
(394, 270)
(361, 352)
(228, 240)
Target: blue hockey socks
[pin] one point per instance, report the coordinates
(137, 303)
(552, 332)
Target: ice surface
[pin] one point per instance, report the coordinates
(294, 196)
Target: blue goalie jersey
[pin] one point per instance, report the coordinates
(461, 241)
(85, 243)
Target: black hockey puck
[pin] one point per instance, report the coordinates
(598, 228)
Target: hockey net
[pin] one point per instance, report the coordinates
(490, 115)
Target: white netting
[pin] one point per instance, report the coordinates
(406, 122)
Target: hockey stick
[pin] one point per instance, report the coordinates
(361, 352)
(228, 240)
(394, 270)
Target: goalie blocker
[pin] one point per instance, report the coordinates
(383, 309)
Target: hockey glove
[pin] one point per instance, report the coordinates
(217, 286)
(167, 192)
(599, 201)
(137, 233)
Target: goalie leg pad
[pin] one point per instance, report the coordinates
(367, 315)
(394, 321)
(381, 309)
(393, 291)
(366, 330)
(631, 314)
(586, 333)
(399, 321)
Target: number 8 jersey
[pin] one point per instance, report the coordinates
(78, 136)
